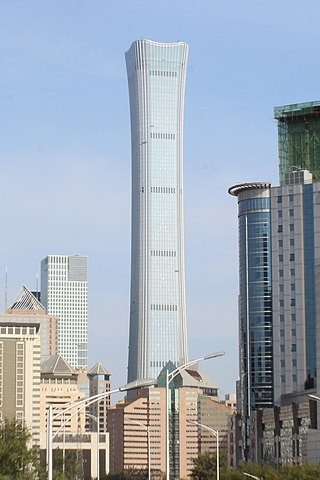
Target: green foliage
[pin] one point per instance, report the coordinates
(205, 469)
(71, 465)
(17, 461)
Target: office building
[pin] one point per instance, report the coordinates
(26, 308)
(130, 421)
(99, 382)
(279, 251)
(64, 293)
(156, 78)
(299, 138)
(20, 375)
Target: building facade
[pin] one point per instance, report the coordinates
(26, 308)
(156, 78)
(288, 303)
(64, 293)
(130, 423)
(20, 375)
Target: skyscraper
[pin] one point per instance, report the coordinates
(156, 78)
(64, 293)
(279, 287)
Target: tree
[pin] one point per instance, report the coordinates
(17, 461)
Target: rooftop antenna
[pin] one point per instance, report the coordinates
(6, 291)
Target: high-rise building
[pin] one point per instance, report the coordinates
(279, 251)
(279, 287)
(64, 293)
(156, 78)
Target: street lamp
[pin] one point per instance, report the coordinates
(216, 434)
(314, 397)
(96, 419)
(251, 476)
(169, 378)
(82, 404)
(147, 428)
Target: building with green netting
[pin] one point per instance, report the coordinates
(299, 138)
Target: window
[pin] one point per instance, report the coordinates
(281, 258)
(280, 229)
(293, 302)
(291, 212)
(280, 242)
(291, 257)
(279, 213)
(293, 347)
(279, 199)
(291, 227)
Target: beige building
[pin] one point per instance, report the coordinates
(26, 308)
(59, 386)
(20, 375)
(130, 421)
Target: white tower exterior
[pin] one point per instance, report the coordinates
(64, 293)
(156, 78)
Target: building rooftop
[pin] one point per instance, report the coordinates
(25, 300)
(285, 112)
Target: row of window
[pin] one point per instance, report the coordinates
(157, 363)
(163, 136)
(164, 308)
(291, 228)
(162, 190)
(163, 253)
(162, 73)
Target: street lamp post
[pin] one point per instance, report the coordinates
(82, 404)
(251, 476)
(216, 435)
(147, 428)
(170, 376)
(96, 419)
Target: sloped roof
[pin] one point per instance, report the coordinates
(25, 300)
(57, 365)
(98, 369)
(192, 377)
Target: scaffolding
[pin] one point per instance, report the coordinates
(299, 138)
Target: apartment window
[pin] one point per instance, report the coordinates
(291, 242)
(291, 227)
(279, 213)
(281, 258)
(280, 229)
(293, 302)
(280, 242)
(291, 257)
(280, 273)
(279, 199)
(291, 212)
(293, 347)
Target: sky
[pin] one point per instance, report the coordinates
(65, 158)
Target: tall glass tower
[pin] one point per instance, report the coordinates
(156, 78)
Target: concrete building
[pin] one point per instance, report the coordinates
(61, 385)
(99, 382)
(64, 293)
(156, 77)
(130, 421)
(26, 308)
(279, 287)
(20, 375)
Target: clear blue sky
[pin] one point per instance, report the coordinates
(65, 146)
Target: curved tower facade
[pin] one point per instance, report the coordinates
(156, 78)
